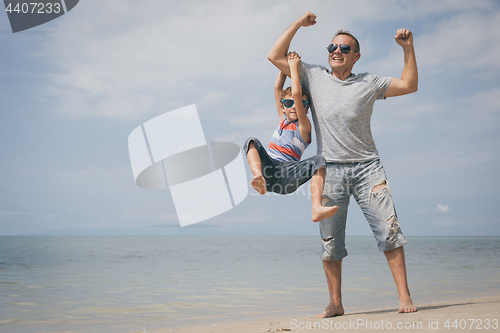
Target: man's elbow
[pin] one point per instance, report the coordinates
(414, 88)
(411, 87)
(272, 57)
(277, 63)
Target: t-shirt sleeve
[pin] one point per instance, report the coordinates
(305, 69)
(309, 73)
(382, 83)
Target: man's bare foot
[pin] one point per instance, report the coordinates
(406, 306)
(259, 184)
(321, 212)
(331, 311)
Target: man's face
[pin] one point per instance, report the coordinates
(338, 60)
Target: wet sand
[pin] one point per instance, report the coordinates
(476, 315)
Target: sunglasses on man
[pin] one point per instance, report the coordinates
(288, 103)
(344, 48)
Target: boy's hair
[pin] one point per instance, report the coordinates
(288, 92)
(347, 33)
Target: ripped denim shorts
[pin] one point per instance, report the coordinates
(367, 182)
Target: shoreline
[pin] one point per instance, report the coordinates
(472, 315)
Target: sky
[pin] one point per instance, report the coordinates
(73, 89)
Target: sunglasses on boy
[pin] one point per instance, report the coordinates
(344, 48)
(288, 103)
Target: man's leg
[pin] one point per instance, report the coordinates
(333, 272)
(396, 260)
(374, 197)
(332, 231)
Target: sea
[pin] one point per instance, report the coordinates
(125, 284)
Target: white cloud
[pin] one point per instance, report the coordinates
(478, 112)
(149, 216)
(449, 222)
(439, 208)
(123, 59)
(96, 183)
(445, 157)
(462, 43)
(142, 61)
(461, 222)
(260, 116)
(213, 98)
(6, 213)
(443, 209)
(402, 114)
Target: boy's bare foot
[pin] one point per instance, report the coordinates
(406, 306)
(332, 310)
(321, 212)
(259, 184)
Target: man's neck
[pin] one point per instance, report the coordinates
(342, 75)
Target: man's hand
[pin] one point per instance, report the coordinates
(404, 38)
(408, 83)
(307, 19)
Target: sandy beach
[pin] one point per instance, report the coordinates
(143, 285)
(476, 315)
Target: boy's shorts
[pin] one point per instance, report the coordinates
(285, 177)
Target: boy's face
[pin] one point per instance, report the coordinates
(291, 113)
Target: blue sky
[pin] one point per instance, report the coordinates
(73, 89)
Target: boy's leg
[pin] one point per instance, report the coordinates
(319, 212)
(258, 182)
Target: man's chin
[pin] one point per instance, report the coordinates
(336, 65)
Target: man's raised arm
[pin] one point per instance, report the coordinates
(409, 78)
(278, 52)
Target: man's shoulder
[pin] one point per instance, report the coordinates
(361, 76)
(308, 66)
(368, 77)
(371, 82)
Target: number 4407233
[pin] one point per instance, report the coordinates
(478, 324)
(34, 8)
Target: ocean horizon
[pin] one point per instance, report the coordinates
(127, 283)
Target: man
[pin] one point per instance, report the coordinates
(341, 107)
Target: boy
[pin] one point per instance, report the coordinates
(279, 169)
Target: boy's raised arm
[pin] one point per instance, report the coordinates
(278, 88)
(304, 123)
(278, 53)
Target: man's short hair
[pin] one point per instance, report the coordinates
(288, 92)
(347, 33)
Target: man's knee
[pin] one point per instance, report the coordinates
(333, 249)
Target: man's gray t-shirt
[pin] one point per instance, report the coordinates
(341, 112)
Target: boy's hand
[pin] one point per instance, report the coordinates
(293, 59)
(404, 38)
(307, 19)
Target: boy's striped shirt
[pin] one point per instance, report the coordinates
(286, 143)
